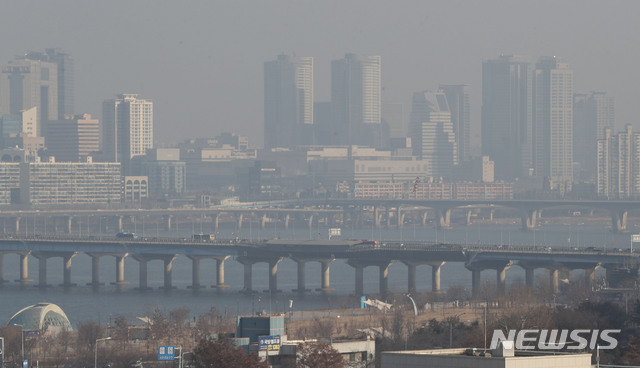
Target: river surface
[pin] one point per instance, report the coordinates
(82, 303)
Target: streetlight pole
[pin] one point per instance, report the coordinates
(22, 338)
(95, 362)
(182, 357)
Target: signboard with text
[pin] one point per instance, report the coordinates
(269, 343)
(166, 352)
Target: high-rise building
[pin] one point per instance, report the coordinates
(356, 100)
(73, 138)
(393, 114)
(127, 128)
(592, 113)
(618, 165)
(507, 115)
(26, 83)
(64, 63)
(460, 106)
(553, 121)
(288, 101)
(432, 135)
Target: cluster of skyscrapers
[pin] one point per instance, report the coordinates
(54, 155)
(538, 137)
(534, 127)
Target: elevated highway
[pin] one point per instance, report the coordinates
(358, 254)
(332, 212)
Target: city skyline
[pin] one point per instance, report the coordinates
(414, 59)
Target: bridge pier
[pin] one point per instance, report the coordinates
(384, 278)
(66, 264)
(411, 277)
(287, 217)
(468, 217)
(273, 275)
(263, 223)
(325, 273)
(528, 276)
(529, 219)
(435, 275)
(95, 270)
(359, 280)
(24, 268)
(400, 218)
(424, 218)
(301, 276)
(215, 219)
(119, 220)
(553, 279)
(501, 277)
(248, 274)
(120, 269)
(195, 272)
(310, 222)
(168, 271)
(220, 272)
(618, 220)
(475, 283)
(377, 217)
(17, 225)
(239, 218)
(142, 283)
(167, 222)
(42, 270)
(69, 227)
(444, 218)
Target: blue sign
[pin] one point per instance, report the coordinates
(269, 343)
(166, 352)
(25, 363)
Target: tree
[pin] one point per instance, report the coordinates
(121, 330)
(318, 355)
(159, 325)
(221, 354)
(88, 333)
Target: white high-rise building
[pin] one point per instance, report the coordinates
(458, 98)
(553, 121)
(288, 101)
(618, 165)
(432, 135)
(127, 127)
(356, 100)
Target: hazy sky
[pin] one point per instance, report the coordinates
(201, 62)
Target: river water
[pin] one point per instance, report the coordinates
(82, 303)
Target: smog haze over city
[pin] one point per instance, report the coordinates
(202, 62)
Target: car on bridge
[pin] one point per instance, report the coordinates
(126, 235)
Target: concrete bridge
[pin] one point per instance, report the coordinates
(358, 254)
(329, 212)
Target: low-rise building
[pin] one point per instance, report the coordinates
(455, 358)
(54, 183)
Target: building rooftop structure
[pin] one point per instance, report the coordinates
(462, 357)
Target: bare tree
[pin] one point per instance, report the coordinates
(159, 325)
(222, 354)
(318, 355)
(88, 333)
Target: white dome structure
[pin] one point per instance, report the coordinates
(41, 317)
